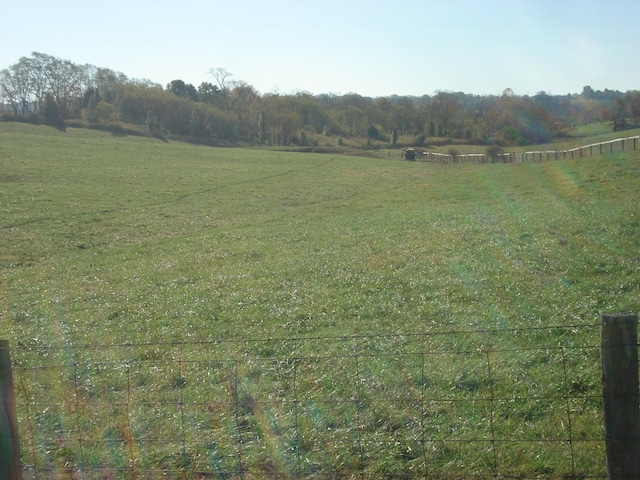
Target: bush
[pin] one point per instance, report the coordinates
(494, 150)
(51, 113)
(454, 152)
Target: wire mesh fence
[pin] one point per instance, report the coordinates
(440, 405)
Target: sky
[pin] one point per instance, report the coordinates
(369, 47)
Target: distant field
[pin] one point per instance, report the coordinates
(134, 241)
(576, 137)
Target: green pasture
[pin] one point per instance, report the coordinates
(193, 309)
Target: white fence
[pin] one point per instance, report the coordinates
(611, 146)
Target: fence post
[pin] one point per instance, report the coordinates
(619, 356)
(10, 467)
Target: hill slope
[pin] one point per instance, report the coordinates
(117, 241)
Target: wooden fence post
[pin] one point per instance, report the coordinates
(620, 395)
(10, 467)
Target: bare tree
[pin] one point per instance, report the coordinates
(225, 85)
(17, 84)
(8, 90)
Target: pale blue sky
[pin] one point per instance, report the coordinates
(373, 48)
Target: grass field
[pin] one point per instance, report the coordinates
(254, 258)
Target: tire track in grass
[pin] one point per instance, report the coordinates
(174, 200)
(245, 182)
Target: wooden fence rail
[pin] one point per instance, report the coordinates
(616, 145)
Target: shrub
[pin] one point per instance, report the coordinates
(494, 150)
(51, 113)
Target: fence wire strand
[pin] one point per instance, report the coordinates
(256, 415)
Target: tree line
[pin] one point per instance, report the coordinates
(223, 109)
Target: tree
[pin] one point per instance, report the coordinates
(90, 115)
(63, 79)
(262, 128)
(23, 82)
(618, 113)
(195, 124)
(38, 79)
(51, 113)
(381, 112)
(407, 118)
(353, 117)
(181, 89)
(633, 101)
(104, 111)
(9, 90)
(152, 125)
(372, 132)
(222, 78)
(445, 106)
(311, 112)
(587, 92)
(209, 93)
(106, 82)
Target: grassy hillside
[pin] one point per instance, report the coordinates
(131, 241)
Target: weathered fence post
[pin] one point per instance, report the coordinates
(620, 395)
(10, 468)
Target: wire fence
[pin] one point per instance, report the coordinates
(611, 146)
(437, 405)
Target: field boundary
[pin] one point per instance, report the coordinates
(284, 425)
(610, 146)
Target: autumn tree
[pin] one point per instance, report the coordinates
(244, 105)
(633, 101)
(311, 112)
(445, 107)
